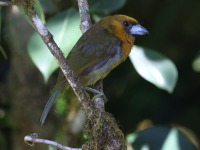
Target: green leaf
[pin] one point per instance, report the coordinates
(130, 138)
(154, 67)
(61, 104)
(196, 63)
(39, 10)
(65, 30)
(171, 142)
(159, 138)
(49, 6)
(105, 6)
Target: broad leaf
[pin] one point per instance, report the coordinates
(160, 138)
(171, 142)
(154, 67)
(65, 30)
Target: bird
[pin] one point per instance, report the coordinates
(97, 52)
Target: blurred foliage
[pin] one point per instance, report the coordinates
(174, 33)
(39, 10)
(196, 63)
(65, 29)
(154, 67)
(105, 7)
(160, 138)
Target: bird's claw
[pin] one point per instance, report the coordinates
(99, 94)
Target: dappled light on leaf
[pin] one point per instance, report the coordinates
(65, 30)
(154, 67)
(159, 138)
(171, 142)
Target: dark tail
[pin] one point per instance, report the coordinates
(51, 101)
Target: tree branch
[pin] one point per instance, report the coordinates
(33, 138)
(57, 53)
(84, 15)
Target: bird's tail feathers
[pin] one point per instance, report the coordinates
(50, 102)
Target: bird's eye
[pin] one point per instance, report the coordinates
(125, 23)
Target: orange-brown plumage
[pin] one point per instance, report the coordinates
(99, 50)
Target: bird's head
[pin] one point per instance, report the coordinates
(124, 28)
(122, 25)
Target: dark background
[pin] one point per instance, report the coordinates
(174, 28)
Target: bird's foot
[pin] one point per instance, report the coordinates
(98, 94)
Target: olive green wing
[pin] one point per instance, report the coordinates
(93, 51)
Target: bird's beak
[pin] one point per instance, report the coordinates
(138, 30)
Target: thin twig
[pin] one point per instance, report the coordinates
(33, 139)
(84, 15)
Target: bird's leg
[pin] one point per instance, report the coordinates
(98, 90)
(99, 86)
(92, 90)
